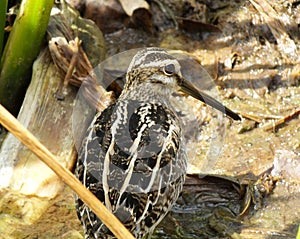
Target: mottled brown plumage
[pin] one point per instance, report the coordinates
(133, 155)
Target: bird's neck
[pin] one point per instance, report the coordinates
(149, 92)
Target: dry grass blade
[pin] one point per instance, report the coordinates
(68, 56)
(285, 43)
(13, 125)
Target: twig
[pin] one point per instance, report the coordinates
(259, 118)
(28, 139)
(255, 118)
(73, 62)
(273, 125)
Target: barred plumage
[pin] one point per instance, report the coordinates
(133, 155)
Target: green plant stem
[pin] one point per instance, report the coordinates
(21, 49)
(3, 9)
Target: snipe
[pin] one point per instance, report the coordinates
(133, 155)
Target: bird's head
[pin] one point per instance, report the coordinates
(155, 68)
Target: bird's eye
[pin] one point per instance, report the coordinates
(169, 69)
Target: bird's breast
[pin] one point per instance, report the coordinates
(134, 145)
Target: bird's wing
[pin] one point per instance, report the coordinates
(131, 153)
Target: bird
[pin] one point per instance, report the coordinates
(133, 157)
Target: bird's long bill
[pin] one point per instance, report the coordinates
(190, 89)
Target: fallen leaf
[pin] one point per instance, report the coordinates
(130, 6)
